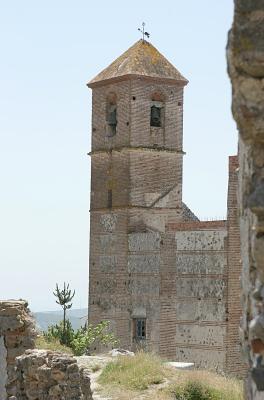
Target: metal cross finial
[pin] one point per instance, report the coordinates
(143, 32)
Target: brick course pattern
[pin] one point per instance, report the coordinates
(150, 257)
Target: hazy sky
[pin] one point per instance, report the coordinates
(49, 50)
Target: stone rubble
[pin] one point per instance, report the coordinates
(18, 333)
(121, 352)
(49, 375)
(30, 374)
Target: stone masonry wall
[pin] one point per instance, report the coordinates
(197, 277)
(48, 375)
(183, 280)
(246, 69)
(108, 275)
(136, 188)
(200, 291)
(144, 284)
(138, 269)
(17, 334)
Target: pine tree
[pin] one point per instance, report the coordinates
(64, 297)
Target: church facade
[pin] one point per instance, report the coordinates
(166, 281)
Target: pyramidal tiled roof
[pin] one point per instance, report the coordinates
(141, 59)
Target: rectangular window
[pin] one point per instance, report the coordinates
(140, 328)
(155, 116)
(111, 121)
(109, 198)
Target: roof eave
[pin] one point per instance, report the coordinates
(174, 81)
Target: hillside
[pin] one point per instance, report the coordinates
(77, 318)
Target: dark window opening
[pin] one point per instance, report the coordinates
(140, 328)
(155, 116)
(112, 120)
(109, 198)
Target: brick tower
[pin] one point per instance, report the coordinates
(136, 188)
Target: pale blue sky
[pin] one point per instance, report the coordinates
(49, 50)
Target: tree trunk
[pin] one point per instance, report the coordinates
(64, 324)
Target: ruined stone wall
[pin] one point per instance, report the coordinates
(17, 334)
(48, 375)
(27, 374)
(196, 293)
(246, 69)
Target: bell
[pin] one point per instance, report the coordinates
(155, 116)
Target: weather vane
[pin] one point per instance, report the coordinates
(143, 31)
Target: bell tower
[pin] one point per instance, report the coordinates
(136, 189)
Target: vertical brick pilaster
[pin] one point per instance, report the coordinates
(234, 361)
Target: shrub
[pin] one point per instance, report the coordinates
(62, 332)
(81, 340)
(204, 385)
(196, 391)
(85, 337)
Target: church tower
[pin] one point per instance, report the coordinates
(136, 189)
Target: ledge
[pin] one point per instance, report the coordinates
(135, 148)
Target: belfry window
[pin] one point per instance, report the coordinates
(140, 328)
(155, 116)
(157, 110)
(112, 120)
(111, 115)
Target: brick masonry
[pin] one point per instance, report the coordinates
(234, 303)
(149, 255)
(198, 272)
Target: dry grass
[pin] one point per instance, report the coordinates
(146, 377)
(134, 373)
(95, 368)
(211, 386)
(53, 345)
